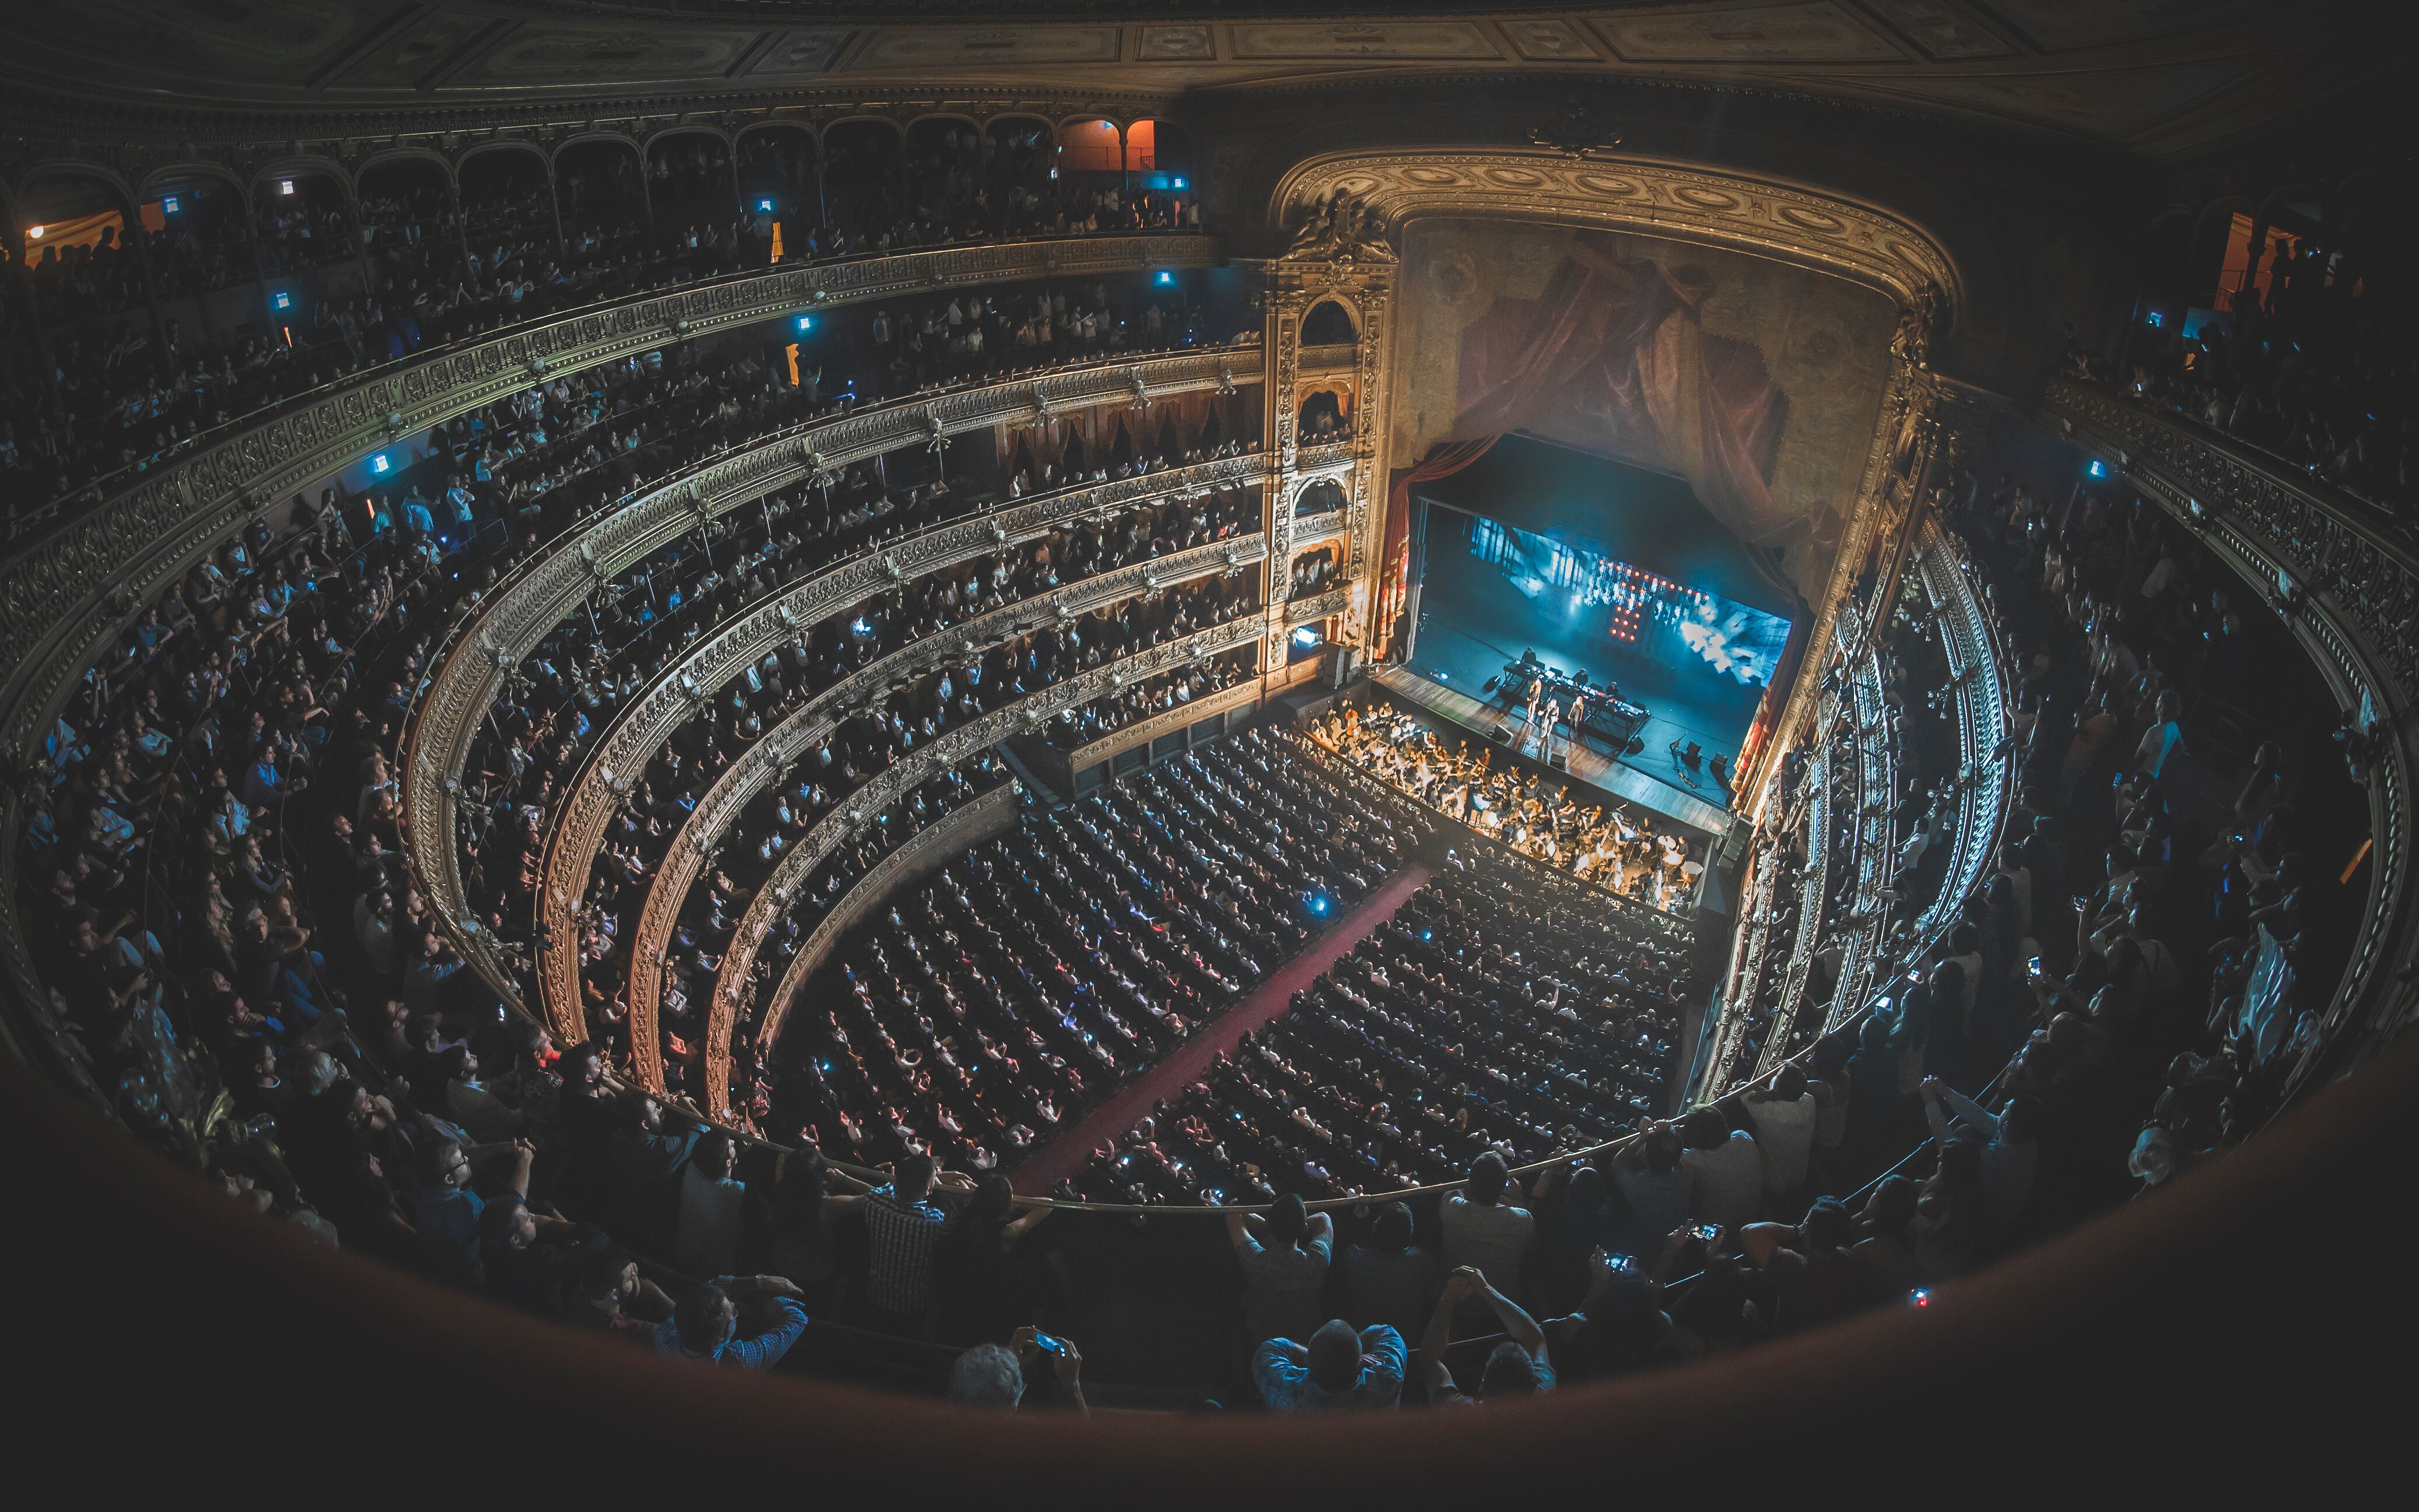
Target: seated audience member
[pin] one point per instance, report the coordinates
(1725, 1172)
(1519, 1366)
(1387, 1278)
(705, 1323)
(1284, 1267)
(706, 1240)
(1481, 1231)
(1654, 1188)
(1339, 1368)
(904, 1223)
(613, 1297)
(987, 1376)
(1785, 1115)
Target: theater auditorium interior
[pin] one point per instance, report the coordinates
(1042, 748)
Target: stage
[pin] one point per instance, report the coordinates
(1616, 579)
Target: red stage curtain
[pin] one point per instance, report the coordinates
(1612, 358)
(1443, 460)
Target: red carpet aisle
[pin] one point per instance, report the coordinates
(1065, 1155)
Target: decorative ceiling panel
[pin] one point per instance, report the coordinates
(1943, 31)
(547, 55)
(400, 61)
(801, 52)
(1425, 40)
(1817, 33)
(951, 47)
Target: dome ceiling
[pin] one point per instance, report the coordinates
(2159, 76)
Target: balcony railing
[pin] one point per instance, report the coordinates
(2352, 603)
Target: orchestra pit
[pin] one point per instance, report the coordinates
(1090, 747)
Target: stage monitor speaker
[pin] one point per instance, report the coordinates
(1502, 734)
(1635, 746)
(1492, 683)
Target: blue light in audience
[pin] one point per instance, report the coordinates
(168, 205)
(1166, 277)
(378, 463)
(764, 205)
(1318, 903)
(1178, 183)
(805, 322)
(2096, 468)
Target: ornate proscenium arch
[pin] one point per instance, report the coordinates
(1791, 223)
(1350, 207)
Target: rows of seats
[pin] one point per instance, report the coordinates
(1503, 1006)
(1032, 977)
(1071, 729)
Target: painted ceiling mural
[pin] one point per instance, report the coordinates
(1758, 383)
(2159, 75)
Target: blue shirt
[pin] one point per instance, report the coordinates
(756, 1352)
(448, 1221)
(261, 785)
(1281, 1370)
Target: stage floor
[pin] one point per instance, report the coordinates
(1589, 766)
(1472, 622)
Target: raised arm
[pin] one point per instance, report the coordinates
(1434, 1377)
(1517, 1322)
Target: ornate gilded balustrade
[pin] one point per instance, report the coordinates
(1877, 765)
(2353, 605)
(1309, 460)
(1977, 685)
(552, 584)
(1310, 530)
(886, 788)
(1304, 610)
(1182, 716)
(1811, 891)
(703, 831)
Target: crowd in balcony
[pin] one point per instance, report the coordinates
(1072, 729)
(2317, 370)
(105, 396)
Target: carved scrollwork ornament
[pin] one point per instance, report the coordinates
(1340, 228)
